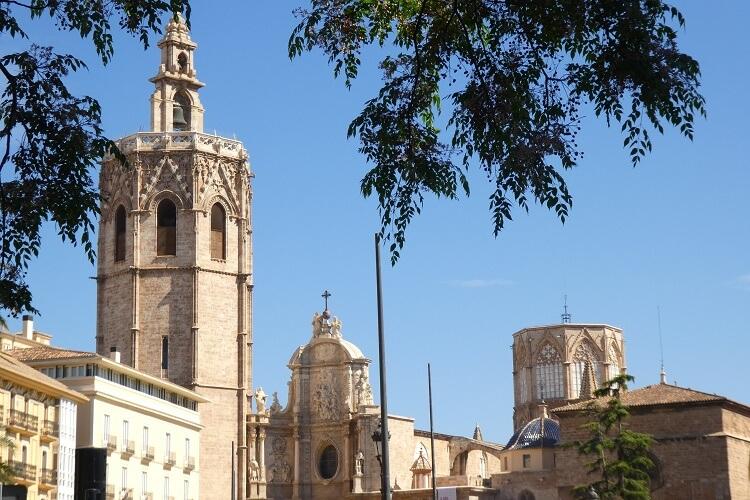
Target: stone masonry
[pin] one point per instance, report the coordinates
(181, 316)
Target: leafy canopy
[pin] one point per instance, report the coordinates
(620, 458)
(516, 75)
(51, 140)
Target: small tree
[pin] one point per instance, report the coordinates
(621, 457)
(51, 141)
(6, 472)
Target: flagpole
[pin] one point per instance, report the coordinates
(386, 481)
(432, 434)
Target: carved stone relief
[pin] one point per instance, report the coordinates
(281, 471)
(165, 172)
(326, 400)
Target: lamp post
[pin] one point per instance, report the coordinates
(377, 438)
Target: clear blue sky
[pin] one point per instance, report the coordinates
(673, 232)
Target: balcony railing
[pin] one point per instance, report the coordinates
(49, 476)
(171, 459)
(128, 448)
(50, 429)
(126, 494)
(189, 464)
(147, 496)
(17, 418)
(110, 492)
(32, 423)
(110, 442)
(148, 454)
(22, 470)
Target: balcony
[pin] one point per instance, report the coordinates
(189, 464)
(170, 460)
(50, 430)
(109, 493)
(126, 494)
(48, 479)
(128, 449)
(32, 423)
(147, 455)
(17, 420)
(147, 496)
(49, 476)
(111, 443)
(23, 472)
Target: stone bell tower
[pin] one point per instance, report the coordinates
(175, 275)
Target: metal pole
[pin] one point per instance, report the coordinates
(386, 481)
(234, 486)
(432, 434)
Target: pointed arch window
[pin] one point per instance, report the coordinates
(218, 232)
(166, 228)
(549, 374)
(120, 219)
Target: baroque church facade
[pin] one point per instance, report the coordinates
(174, 300)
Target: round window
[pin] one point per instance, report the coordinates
(328, 463)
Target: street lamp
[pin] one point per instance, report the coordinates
(377, 438)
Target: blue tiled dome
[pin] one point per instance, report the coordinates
(531, 436)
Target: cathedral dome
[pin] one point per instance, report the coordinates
(537, 433)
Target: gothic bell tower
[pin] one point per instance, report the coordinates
(174, 293)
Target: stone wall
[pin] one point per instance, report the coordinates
(690, 448)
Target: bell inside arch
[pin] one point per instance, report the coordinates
(178, 117)
(181, 111)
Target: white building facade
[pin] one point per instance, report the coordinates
(149, 426)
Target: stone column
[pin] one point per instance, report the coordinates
(262, 452)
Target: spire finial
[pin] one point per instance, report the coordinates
(662, 372)
(326, 294)
(565, 316)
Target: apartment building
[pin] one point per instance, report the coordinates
(39, 416)
(149, 426)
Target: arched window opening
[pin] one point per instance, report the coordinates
(181, 112)
(166, 228)
(329, 462)
(120, 218)
(526, 495)
(549, 374)
(182, 62)
(218, 232)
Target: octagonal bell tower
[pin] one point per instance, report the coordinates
(174, 293)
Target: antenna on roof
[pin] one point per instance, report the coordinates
(662, 373)
(565, 316)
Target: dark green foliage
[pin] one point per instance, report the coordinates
(517, 75)
(620, 457)
(51, 140)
